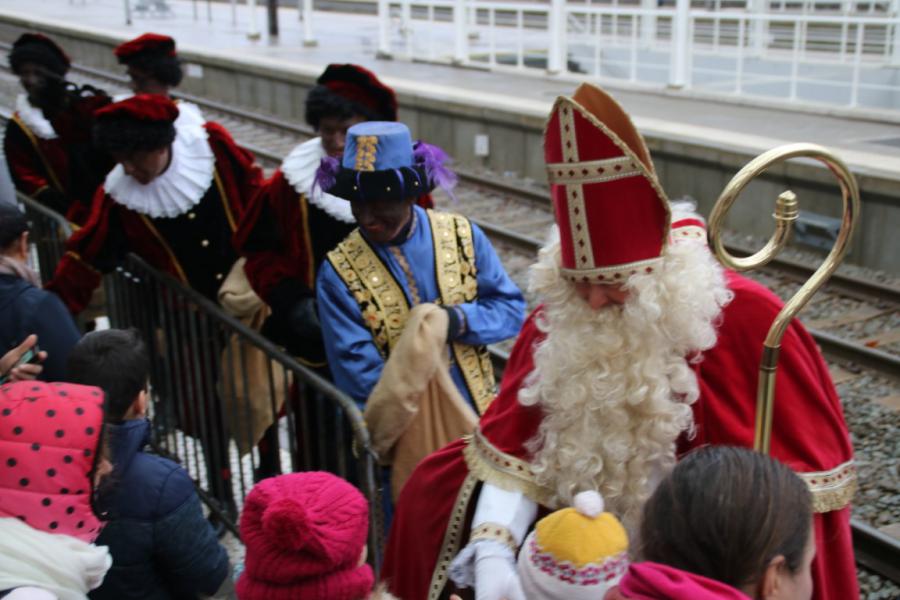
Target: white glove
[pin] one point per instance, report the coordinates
(495, 573)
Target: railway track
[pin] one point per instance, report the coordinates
(525, 211)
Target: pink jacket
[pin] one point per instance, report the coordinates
(49, 438)
(653, 581)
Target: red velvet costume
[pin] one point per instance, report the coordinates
(195, 247)
(603, 187)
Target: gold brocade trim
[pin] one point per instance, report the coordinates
(497, 533)
(381, 299)
(307, 242)
(366, 145)
(507, 472)
(165, 245)
(398, 255)
(457, 279)
(592, 171)
(224, 197)
(453, 537)
(34, 142)
(834, 489)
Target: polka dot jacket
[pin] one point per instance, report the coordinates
(49, 438)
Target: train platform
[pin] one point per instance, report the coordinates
(868, 142)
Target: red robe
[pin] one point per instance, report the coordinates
(809, 434)
(195, 248)
(63, 172)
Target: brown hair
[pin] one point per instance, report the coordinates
(725, 513)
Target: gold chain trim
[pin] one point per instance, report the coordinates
(496, 532)
(365, 152)
(381, 299)
(453, 537)
(507, 472)
(457, 279)
(834, 489)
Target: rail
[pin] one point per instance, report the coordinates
(215, 385)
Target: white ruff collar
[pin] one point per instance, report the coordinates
(34, 118)
(180, 187)
(299, 169)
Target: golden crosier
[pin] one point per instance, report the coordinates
(786, 211)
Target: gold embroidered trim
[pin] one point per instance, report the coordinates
(496, 532)
(575, 203)
(616, 274)
(592, 171)
(397, 253)
(834, 489)
(224, 197)
(381, 299)
(366, 146)
(453, 537)
(34, 142)
(689, 232)
(507, 472)
(307, 244)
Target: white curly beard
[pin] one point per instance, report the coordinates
(616, 384)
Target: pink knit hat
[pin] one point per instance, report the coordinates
(305, 534)
(49, 433)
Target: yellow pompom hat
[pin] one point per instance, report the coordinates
(574, 553)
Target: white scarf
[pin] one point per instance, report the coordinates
(181, 186)
(33, 117)
(299, 169)
(61, 564)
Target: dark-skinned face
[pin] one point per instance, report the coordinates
(39, 83)
(146, 165)
(382, 220)
(333, 131)
(142, 82)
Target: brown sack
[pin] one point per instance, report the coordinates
(415, 408)
(249, 411)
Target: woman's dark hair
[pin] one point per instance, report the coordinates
(114, 360)
(122, 136)
(163, 68)
(12, 225)
(322, 103)
(725, 513)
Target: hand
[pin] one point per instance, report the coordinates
(22, 372)
(495, 574)
(304, 319)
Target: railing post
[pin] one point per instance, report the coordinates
(760, 29)
(460, 33)
(127, 12)
(648, 23)
(678, 66)
(309, 38)
(384, 29)
(895, 38)
(253, 34)
(556, 37)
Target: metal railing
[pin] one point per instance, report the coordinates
(214, 379)
(837, 53)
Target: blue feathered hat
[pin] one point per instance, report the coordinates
(381, 162)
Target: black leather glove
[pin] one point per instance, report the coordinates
(304, 319)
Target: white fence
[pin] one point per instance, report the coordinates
(844, 53)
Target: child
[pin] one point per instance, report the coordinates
(51, 461)
(305, 535)
(161, 544)
(726, 524)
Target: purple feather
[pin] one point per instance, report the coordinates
(326, 174)
(434, 160)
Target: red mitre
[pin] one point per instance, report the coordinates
(42, 40)
(359, 85)
(612, 213)
(149, 108)
(149, 42)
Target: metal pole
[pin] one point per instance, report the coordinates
(895, 24)
(128, 12)
(648, 23)
(678, 66)
(309, 39)
(272, 14)
(233, 13)
(760, 27)
(253, 34)
(556, 31)
(384, 29)
(460, 37)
